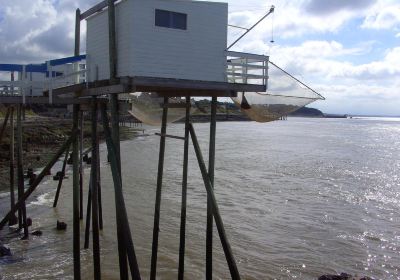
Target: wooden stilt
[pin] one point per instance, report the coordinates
(88, 214)
(123, 229)
(75, 159)
(3, 127)
(38, 179)
(214, 206)
(94, 178)
(209, 232)
(81, 165)
(20, 172)
(13, 220)
(156, 229)
(75, 195)
(99, 189)
(184, 194)
(60, 180)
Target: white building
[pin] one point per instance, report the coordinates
(161, 38)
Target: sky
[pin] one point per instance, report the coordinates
(347, 50)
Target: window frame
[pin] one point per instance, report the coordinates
(176, 20)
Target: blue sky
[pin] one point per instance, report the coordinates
(348, 50)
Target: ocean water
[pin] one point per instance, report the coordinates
(299, 198)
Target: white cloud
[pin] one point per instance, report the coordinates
(383, 15)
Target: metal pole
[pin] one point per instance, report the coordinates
(38, 179)
(95, 208)
(271, 10)
(184, 194)
(214, 206)
(123, 230)
(20, 170)
(211, 161)
(81, 165)
(60, 180)
(13, 220)
(153, 270)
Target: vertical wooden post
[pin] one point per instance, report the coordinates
(81, 165)
(20, 171)
(76, 225)
(75, 159)
(88, 214)
(95, 208)
(99, 189)
(38, 179)
(115, 130)
(123, 230)
(13, 219)
(181, 268)
(156, 229)
(60, 180)
(3, 127)
(211, 161)
(214, 206)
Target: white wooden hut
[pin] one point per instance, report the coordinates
(161, 38)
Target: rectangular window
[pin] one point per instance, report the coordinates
(171, 19)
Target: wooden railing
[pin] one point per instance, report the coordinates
(246, 68)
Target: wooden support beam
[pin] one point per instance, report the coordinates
(95, 9)
(75, 197)
(170, 136)
(13, 220)
(211, 163)
(3, 127)
(81, 165)
(88, 214)
(38, 179)
(99, 190)
(75, 160)
(181, 267)
(95, 205)
(60, 180)
(156, 229)
(20, 173)
(123, 230)
(214, 206)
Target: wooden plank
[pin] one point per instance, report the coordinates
(169, 136)
(95, 9)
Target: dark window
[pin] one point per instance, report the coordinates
(171, 19)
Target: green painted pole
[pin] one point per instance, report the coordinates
(156, 229)
(181, 268)
(214, 206)
(211, 163)
(95, 205)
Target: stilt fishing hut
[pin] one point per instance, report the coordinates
(174, 50)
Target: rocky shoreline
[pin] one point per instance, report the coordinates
(42, 136)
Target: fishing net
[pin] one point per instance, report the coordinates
(148, 108)
(285, 94)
